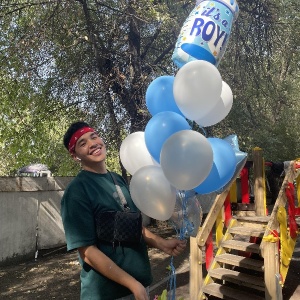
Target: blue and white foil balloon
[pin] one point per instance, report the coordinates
(241, 158)
(205, 33)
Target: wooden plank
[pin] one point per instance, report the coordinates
(255, 219)
(247, 231)
(239, 278)
(259, 184)
(281, 199)
(224, 292)
(245, 213)
(271, 269)
(243, 206)
(210, 220)
(248, 224)
(241, 246)
(196, 278)
(241, 261)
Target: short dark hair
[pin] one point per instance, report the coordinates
(71, 130)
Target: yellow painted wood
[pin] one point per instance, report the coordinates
(219, 227)
(287, 243)
(213, 213)
(233, 193)
(273, 224)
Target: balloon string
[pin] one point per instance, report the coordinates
(186, 227)
(172, 282)
(204, 131)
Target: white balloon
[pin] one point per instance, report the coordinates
(197, 88)
(134, 153)
(220, 110)
(186, 159)
(152, 193)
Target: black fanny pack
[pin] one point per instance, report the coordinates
(119, 227)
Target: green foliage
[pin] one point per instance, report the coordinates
(261, 65)
(62, 61)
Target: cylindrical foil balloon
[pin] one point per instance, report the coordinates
(205, 33)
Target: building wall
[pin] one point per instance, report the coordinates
(30, 216)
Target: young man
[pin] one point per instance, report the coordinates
(108, 272)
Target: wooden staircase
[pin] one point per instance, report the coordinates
(241, 251)
(237, 271)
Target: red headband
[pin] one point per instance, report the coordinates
(76, 135)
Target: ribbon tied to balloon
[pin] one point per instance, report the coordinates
(187, 216)
(205, 33)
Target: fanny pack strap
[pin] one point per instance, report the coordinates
(124, 204)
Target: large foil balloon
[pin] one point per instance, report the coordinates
(159, 96)
(220, 110)
(187, 216)
(134, 153)
(152, 193)
(186, 159)
(159, 128)
(240, 156)
(205, 33)
(224, 163)
(197, 89)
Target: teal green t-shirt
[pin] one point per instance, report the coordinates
(88, 194)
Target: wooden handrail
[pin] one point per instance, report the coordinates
(269, 246)
(208, 224)
(273, 224)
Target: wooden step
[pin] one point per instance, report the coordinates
(248, 231)
(241, 246)
(239, 278)
(241, 261)
(256, 219)
(225, 292)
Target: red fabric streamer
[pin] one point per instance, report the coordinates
(290, 192)
(245, 186)
(209, 250)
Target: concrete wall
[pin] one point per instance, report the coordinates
(30, 216)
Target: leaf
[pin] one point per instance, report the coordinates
(163, 295)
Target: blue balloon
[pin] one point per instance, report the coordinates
(159, 96)
(160, 127)
(224, 165)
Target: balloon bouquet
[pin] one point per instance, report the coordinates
(169, 162)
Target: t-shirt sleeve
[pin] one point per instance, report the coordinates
(78, 219)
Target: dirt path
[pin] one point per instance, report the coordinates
(55, 275)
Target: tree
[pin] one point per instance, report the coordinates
(93, 60)
(99, 58)
(262, 66)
